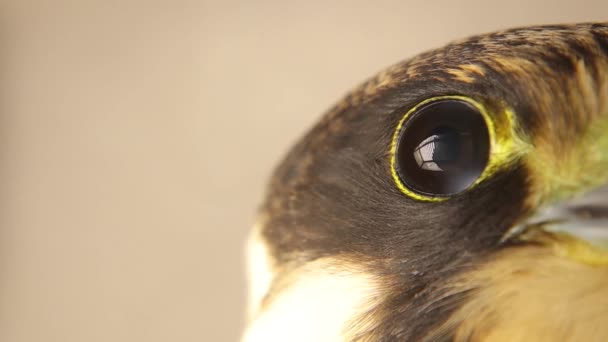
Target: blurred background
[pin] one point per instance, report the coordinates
(136, 138)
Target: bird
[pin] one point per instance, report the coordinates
(459, 195)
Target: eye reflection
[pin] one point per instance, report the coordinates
(442, 148)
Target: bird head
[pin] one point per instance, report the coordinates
(459, 195)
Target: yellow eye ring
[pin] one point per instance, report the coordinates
(501, 136)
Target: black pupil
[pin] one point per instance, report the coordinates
(443, 148)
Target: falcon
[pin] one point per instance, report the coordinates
(461, 195)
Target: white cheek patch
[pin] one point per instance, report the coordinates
(319, 304)
(259, 271)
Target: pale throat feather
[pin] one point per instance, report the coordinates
(321, 301)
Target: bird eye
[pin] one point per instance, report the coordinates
(442, 147)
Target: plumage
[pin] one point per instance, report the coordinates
(342, 251)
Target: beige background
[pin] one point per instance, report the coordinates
(136, 138)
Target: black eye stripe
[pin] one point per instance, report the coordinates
(442, 148)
